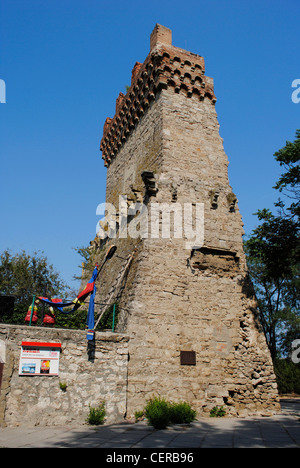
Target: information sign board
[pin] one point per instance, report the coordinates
(39, 358)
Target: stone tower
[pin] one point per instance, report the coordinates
(185, 301)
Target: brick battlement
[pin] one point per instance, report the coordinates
(166, 67)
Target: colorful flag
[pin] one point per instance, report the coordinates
(90, 321)
(89, 287)
(58, 304)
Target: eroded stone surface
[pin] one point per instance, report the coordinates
(178, 298)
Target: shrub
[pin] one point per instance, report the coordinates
(217, 412)
(63, 386)
(181, 413)
(96, 415)
(106, 321)
(139, 415)
(160, 413)
(157, 412)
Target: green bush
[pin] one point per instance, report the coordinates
(157, 412)
(217, 412)
(139, 415)
(106, 321)
(96, 415)
(160, 413)
(181, 413)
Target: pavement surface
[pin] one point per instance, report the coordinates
(280, 431)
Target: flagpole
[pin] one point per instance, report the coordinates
(114, 313)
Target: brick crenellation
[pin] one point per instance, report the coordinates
(165, 67)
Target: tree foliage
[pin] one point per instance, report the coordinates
(273, 254)
(273, 261)
(289, 182)
(87, 261)
(24, 276)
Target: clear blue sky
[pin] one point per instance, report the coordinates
(64, 63)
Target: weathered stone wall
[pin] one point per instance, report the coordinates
(176, 298)
(176, 309)
(91, 376)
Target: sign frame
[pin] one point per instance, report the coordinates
(39, 359)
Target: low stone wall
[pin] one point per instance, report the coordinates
(92, 374)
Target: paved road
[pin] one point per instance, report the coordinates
(281, 431)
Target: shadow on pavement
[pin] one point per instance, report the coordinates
(282, 431)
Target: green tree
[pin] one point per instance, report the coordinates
(289, 182)
(23, 276)
(273, 254)
(272, 251)
(87, 255)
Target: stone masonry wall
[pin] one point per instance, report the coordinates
(176, 299)
(143, 152)
(198, 300)
(91, 376)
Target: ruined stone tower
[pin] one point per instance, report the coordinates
(185, 302)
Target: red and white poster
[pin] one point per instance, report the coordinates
(39, 358)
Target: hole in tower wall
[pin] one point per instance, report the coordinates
(187, 358)
(216, 260)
